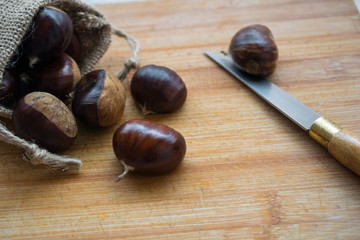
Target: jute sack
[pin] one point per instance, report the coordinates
(95, 35)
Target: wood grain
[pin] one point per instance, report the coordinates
(249, 173)
(345, 147)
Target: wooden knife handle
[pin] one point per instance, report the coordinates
(342, 144)
(345, 147)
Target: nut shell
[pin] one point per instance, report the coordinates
(43, 118)
(58, 78)
(148, 147)
(51, 34)
(254, 51)
(75, 48)
(158, 89)
(99, 99)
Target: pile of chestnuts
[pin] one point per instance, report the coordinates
(46, 78)
(48, 95)
(147, 147)
(41, 79)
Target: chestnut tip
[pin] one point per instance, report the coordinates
(127, 168)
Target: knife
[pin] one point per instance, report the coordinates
(342, 144)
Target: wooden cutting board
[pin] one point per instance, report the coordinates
(249, 173)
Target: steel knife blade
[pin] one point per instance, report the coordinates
(342, 144)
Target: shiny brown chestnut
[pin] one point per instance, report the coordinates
(254, 51)
(99, 99)
(74, 49)
(147, 147)
(58, 78)
(51, 34)
(44, 119)
(8, 87)
(158, 89)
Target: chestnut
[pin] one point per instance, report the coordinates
(254, 51)
(99, 99)
(147, 147)
(51, 34)
(158, 89)
(74, 49)
(58, 78)
(8, 87)
(44, 119)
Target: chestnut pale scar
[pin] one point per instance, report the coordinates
(110, 101)
(77, 73)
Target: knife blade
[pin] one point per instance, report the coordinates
(342, 144)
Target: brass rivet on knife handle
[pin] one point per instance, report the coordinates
(342, 144)
(323, 130)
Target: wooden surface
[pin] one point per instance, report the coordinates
(249, 173)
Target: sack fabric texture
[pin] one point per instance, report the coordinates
(95, 35)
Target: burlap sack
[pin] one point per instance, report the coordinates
(95, 35)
